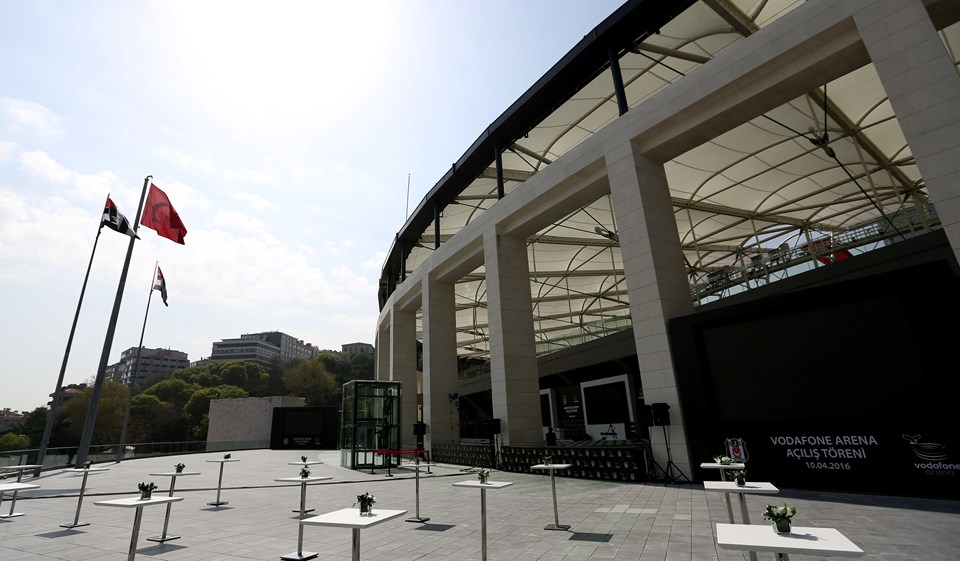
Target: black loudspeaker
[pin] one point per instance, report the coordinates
(419, 429)
(491, 426)
(646, 416)
(661, 414)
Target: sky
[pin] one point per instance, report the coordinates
(293, 139)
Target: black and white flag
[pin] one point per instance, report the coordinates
(115, 221)
(160, 284)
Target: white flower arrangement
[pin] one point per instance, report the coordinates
(776, 514)
(365, 501)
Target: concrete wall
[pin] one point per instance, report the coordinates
(244, 423)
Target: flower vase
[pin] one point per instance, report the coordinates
(741, 482)
(782, 526)
(365, 510)
(145, 495)
(483, 481)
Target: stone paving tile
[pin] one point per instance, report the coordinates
(609, 521)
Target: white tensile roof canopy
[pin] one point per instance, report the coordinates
(746, 202)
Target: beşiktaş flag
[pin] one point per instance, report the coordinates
(160, 284)
(115, 221)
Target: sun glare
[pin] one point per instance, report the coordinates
(268, 61)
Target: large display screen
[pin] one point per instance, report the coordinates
(606, 403)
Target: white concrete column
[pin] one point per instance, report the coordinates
(514, 381)
(382, 368)
(439, 363)
(403, 369)
(656, 282)
(924, 90)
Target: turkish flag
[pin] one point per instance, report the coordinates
(159, 215)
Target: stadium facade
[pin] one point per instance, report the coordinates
(762, 197)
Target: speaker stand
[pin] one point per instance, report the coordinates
(668, 473)
(654, 471)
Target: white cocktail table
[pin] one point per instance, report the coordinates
(350, 518)
(303, 481)
(223, 461)
(722, 467)
(728, 487)
(417, 517)
(13, 500)
(752, 487)
(722, 470)
(492, 485)
(4, 487)
(827, 542)
(553, 489)
(166, 519)
(83, 488)
(137, 503)
(298, 479)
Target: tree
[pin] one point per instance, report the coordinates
(154, 420)
(249, 376)
(199, 403)
(243, 374)
(361, 366)
(311, 380)
(34, 424)
(275, 378)
(12, 441)
(199, 432)
(199, 375)
(106, 428)
(175, 391)
(331, 362)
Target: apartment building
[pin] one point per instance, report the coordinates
(148, 366)
(265, 348)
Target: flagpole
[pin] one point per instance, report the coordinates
(136, 368)
(51, 414)
(107, 343)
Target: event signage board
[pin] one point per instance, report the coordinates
(862, 461)
(839, 387)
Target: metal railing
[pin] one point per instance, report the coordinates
(63, 457)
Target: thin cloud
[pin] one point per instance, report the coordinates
(238, 222)
(40, 164)
(256, 202)
(249, 176)
(86, 186)
(186, 162)
(7, 150)
(21, 115)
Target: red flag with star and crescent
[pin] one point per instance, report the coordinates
(159, 215)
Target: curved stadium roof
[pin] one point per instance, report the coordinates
(747, 203)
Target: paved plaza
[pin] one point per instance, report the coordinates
(608, 521)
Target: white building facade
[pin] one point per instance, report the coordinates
(265, 348)
(645, 175)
